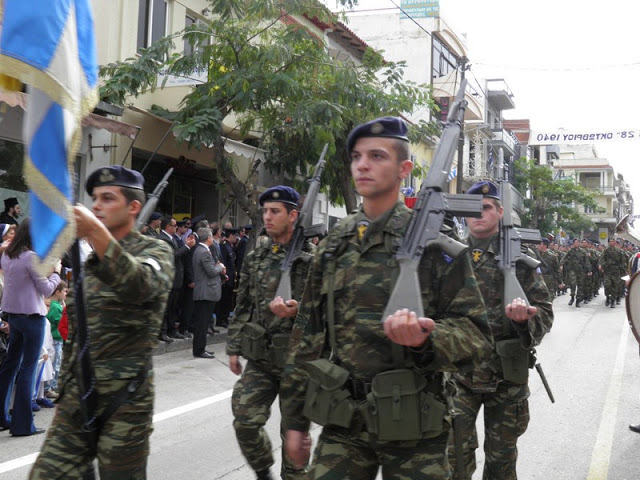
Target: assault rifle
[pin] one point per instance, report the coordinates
(511, 239)
(152, 202)
(302, 229)
(428, 215)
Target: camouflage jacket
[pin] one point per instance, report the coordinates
(550, 267)
(126, 294)
(577, 261)
(491, 283)
(363, 281)
(259, 281)
(613, 262)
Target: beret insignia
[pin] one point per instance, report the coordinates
(485, 189)
(106, 176)
(377, 128)
(275, 195)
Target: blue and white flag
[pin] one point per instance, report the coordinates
(50, 46)
(452, 174)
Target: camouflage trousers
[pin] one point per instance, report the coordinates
(614, 286)
(551, 283)
(123, 442)
(251, 403)
(579, 285)
(506, 417)
(345, 455)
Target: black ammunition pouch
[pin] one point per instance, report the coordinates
(327, 401)
(279, 349)
(401, 408)
(514, 360)
(254, 342)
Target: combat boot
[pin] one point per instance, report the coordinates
(578, 303)
(606, 304)
(571, 301)
(612, 304)
(264, 475)
(618, 301)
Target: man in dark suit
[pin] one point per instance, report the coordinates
(167, 234)
(241, 247)
(206, 292)
(225, 305)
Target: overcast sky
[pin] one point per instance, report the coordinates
(570, 64)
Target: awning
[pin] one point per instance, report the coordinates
(230, 146)
(19, 99)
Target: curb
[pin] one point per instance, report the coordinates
(184, 344)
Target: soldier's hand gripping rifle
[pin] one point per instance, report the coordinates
(511, 239)
(302, 229)
(428, 215)
(152, 201)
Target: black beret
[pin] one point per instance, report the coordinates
(115, 175)
(248, 227)
(546, 241)
(486, 189)
(181, 223)
(10, 202)
(155, 216)
(391, 127)
(280, 193)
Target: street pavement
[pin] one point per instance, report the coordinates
(590, 359)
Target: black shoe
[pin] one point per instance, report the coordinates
(578, 303)
(635, 428)
(606, 304)
(177, 335)
(225, 325)
(613, 305)
(37, 431)
(264, 475)
(205, 355)
(571, 301)
(618, 301)
(210, 353)
(165, 338)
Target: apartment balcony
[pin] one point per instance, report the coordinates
(503, 139)
(603, 191)
(499, 94)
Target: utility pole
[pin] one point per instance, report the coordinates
(464, 66)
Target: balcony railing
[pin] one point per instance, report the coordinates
(502, 138)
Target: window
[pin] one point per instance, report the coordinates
(152, 21)
(188, 21)
(444, 61)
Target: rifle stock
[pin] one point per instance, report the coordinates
(428, 215)
(302, 228)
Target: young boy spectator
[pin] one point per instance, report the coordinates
(44, 372)
(56, 308)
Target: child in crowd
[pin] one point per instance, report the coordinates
(44, 372)
(56, 309)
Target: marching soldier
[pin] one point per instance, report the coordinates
(613, 263)
(577, 267)
(260, 331)
(501, 383)
(550, 267)
(350, 372)
(127, 281)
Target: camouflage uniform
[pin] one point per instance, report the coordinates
(506, 406)
(362, 283)
(576, 265)
(550, 267)
(126, 294)
(614, 265)
(259, 385)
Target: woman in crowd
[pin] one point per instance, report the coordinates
(23, 303)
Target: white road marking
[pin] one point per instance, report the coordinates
(27, 460)
(601, 456)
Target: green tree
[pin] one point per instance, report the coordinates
(287, 94)
(552, 203)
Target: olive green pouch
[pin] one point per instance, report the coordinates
(514, 360)
(327, 401)
(401, 409)
(279, 349)
(254, 342)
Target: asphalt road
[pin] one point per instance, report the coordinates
(590, 359)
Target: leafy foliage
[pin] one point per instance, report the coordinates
(287, 94)
(552, 203)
